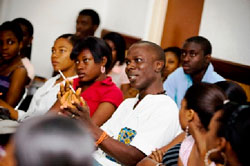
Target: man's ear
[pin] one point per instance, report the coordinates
(95, 27)
(30, 40)
(159, 66)
(208, 58)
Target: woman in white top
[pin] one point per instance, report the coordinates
(117, 70)
(46, 96)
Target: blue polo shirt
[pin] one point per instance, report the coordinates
(178, 82)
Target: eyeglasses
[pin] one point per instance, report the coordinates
(191, 53)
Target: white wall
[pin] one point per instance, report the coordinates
(52, 18)
(226, 23)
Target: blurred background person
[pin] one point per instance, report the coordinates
(117, 70)
(27, 29)
(172, 61)
(50, 140)
(87, 23)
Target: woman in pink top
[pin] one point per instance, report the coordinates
(200, 102)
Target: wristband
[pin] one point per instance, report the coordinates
(101, 138)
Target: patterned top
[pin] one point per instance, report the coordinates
(170, 158)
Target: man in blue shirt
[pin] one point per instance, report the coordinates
(196, 67)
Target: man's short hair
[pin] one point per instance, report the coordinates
(159, 53)
(206, 45)
(93, 14)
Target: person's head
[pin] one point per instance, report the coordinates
(118, 46)
(92, 57)
(11, 37)
(196, 55)
(53, 140)
(87, 22)
(27, 29)
(233, 91)
(145, 61)
(229, 134)
(200, 102)
(61, 50)
(173, 60)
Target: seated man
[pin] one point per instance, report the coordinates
(140, 124)
(196, 67)
(87, 22)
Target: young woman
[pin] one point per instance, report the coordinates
(233, 91)
(117, 72)
(27, 29)
(46, 95)
(228, 136)
(92, 57)
(200, 102)
(13, 75)
(172, 60)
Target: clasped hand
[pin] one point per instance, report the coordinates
(72, 104)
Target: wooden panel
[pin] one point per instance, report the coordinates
(181, 22)
(232, 71)
(128, 39)
(235, 72)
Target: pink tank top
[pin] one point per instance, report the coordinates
(185, 150)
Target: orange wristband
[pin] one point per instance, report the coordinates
(101, 138)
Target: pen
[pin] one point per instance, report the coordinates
(65, 80)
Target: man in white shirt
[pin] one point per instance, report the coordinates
(140, 124)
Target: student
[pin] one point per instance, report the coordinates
(92, 57)
(52, 141)
(46, 95)
(173, 60)
(87, 23)
(233, 91)
(13, 75)
(140, 124)
(196, 67)
(198, 106)
(118, 46)
(27, 29)
(227, 141)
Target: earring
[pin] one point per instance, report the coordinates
(103, 69)
(186, 131)
(213, 151)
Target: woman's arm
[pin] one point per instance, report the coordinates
(156, 156)
(103, 113)
(18, 81)
(12, 111)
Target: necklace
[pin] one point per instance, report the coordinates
(162, 92)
